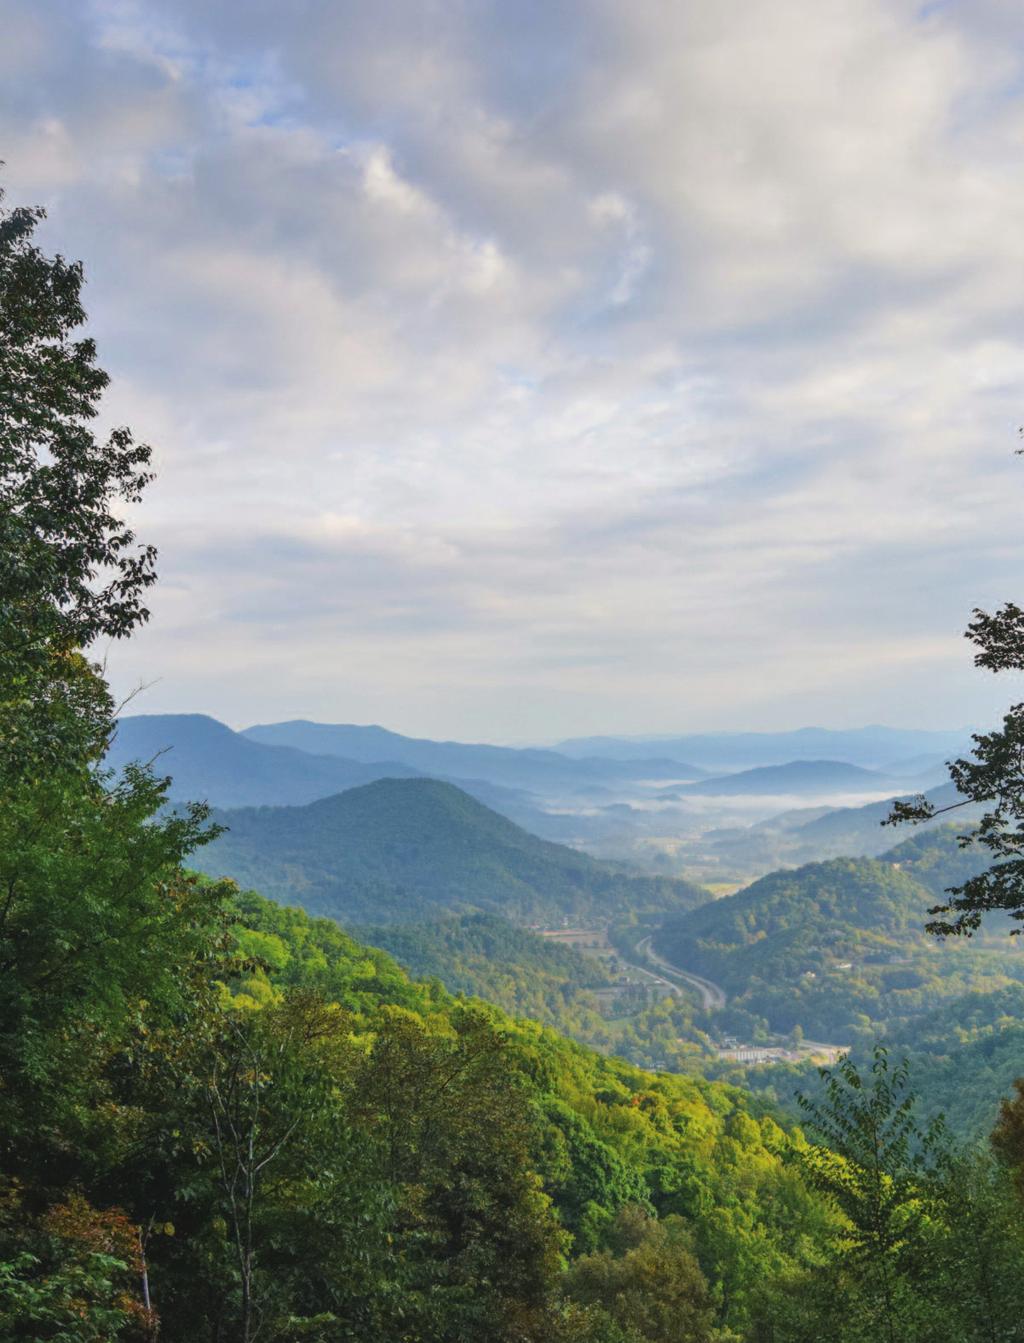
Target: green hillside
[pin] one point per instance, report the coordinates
(836, 948)
(486, 956)
(405, 850)
(934, 858)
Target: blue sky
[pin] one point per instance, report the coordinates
(520, 370)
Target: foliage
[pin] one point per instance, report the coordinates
(992, 777)
(487, 957)
(650, 1285)
(70, 571)
(930, 1244)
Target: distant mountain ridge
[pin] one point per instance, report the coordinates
(517, 767)
(814, 834)
(207, 761)
(873, 747)
(408, 850)
(796, 776)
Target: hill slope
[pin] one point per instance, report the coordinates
(837, 948)
(208, 761)
(400, 851)
(520, 971)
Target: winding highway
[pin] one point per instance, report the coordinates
(712, 996)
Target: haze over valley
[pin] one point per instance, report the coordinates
(707, 807)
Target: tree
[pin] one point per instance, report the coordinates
(99, 927)
(868, 1166)
(973, 1247)
(994, 778)
(70, 569)
(267, 1081)
(653, 1288)
(476, 1243)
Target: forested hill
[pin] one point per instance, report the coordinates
(840, 907)
(404, 850)
(476, 1152)
(839, 948)
(936, 860)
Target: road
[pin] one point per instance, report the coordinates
(711, 995)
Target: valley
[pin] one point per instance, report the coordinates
(730, 932)
(711, 995)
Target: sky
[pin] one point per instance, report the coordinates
(517, 370)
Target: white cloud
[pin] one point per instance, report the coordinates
(577, 367)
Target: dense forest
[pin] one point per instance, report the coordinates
(487, 957)
(839, 949)
(224, 1119)
(405, 850)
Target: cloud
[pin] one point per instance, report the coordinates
(539, 369)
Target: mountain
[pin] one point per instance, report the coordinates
(529, 768)
(821, 912)
(876, 747)
(798, 776)
(405, 850)
(935, 859)
(839, 947)
(209, 762)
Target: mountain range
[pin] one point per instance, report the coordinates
(874, 747)
(209, 762)
(522, 768)
(295, 763)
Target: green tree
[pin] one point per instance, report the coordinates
(93, 910)
(650, 1284)
(70, 569)
(476, 1246)
(973, 1246)
(98, 925)
(867, 1166)
(993, 777)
